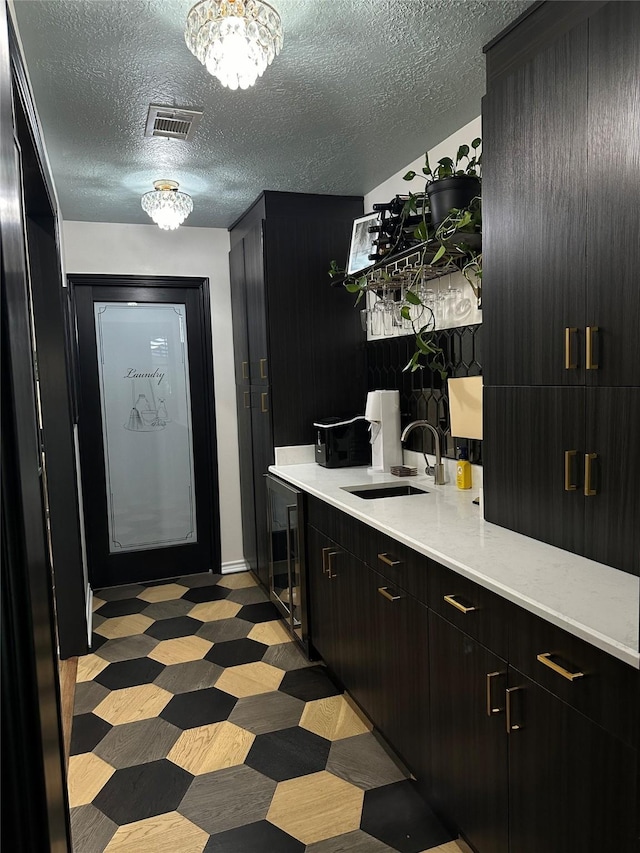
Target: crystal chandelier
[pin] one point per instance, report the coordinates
(234, 39)
(166, 206)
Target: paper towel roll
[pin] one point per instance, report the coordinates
(373, 409)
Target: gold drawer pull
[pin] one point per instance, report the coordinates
(384, 592)
(263, 368)
(491, 709)
(588, 489)
(245, 369)
(589, 362)
(263, 402)
(568, 364)
(451, 599)
(325, 551)
(545, 658)
(247, 399)
(568, 485)
(330, 569)
(511, 726)
(388, 561)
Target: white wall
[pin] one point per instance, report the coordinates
(119, 249)
(447, 148)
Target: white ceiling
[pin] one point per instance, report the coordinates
(360, 89)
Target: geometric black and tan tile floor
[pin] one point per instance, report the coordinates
(199, 726)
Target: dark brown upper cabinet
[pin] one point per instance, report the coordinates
(560, 244)
(298, 343)
(534, 211)
(561, 298)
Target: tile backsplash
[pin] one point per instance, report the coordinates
(423, 394)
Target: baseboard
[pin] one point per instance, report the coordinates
(233, 567)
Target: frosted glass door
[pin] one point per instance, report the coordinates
(143, 369)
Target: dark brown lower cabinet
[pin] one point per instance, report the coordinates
(332, 604)
(510, 764)
(469, 768)
(393, 683)
(572, 786)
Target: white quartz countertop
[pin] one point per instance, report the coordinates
(588, 599)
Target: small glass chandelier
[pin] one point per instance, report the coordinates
(166, 205)
(234, 39)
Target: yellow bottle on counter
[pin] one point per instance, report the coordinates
(463, 469)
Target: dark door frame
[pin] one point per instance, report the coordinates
(35, 815)
(201, 286)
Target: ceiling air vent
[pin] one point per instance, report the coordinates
(172, 122)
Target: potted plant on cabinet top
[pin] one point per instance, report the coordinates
(452, 186)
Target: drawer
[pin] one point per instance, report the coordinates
(400, 564)
(598, 685)
(473, 609)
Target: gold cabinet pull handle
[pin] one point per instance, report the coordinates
(589, 362)
(588, 489)
(568, 485)
(388, 561)
(263, 402)
(491, 709)
(263, 368)
(325, 551)
(247, 399)
(245, 369)
(451, 599)
(545, 658)
(330, 556)
(511, 726)
(568, 364)
(384, 592)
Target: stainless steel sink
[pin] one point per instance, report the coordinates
(371, 491)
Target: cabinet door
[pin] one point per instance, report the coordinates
(256, 305)
(262, 446)
(572, 786)
(534, 217)
(247, 496)
(612, 526)
(613, 249)
(239, 314)
(322, 616)
(332, 603)
(393, 682)
(531, 485)
(469, 746)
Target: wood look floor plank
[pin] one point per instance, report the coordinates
(165, 592)
(315, 807)
(132, 703)
(180, 650)
(123, 626)
(334, 718)
(270, 633)
(238, 580)
(67, 670)
(213, 747)
(166, 833)
(250, 679)
(87, 775)
(89, 666)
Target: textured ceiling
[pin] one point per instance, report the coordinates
(360, 89)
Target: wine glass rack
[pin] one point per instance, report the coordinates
(414, 265)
